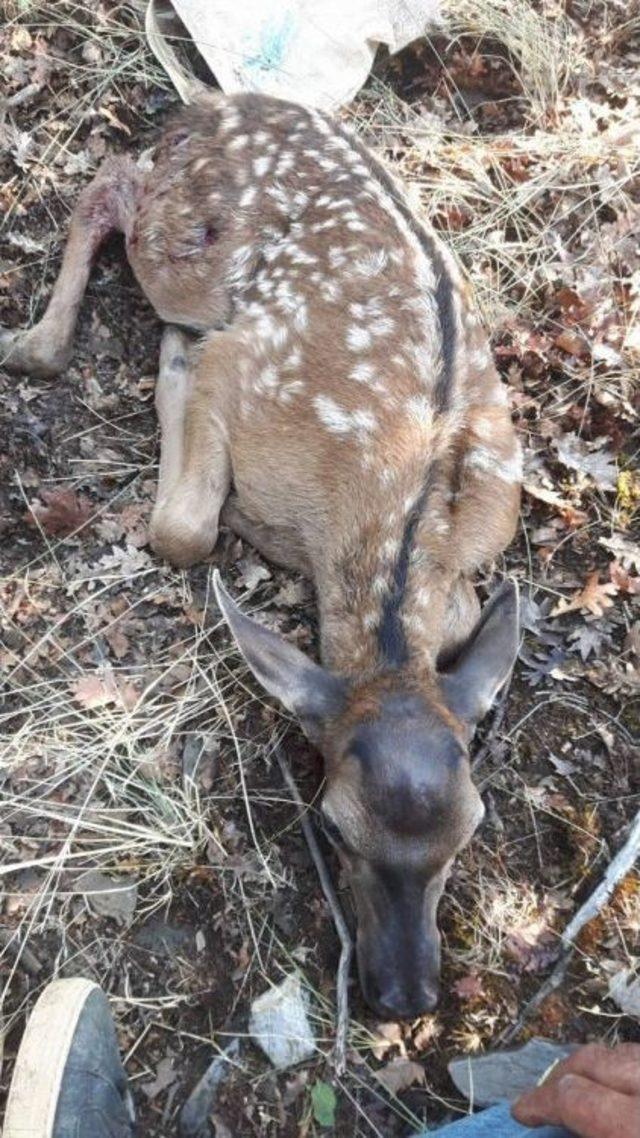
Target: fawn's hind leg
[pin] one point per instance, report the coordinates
(195, 467)
(108, 203)
(278, 544)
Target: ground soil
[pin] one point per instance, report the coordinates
(186, 973)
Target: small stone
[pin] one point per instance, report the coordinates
(279, 1024)
(109, 896)
(624, 990)
(504, 1075)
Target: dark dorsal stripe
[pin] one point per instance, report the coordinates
(444, 290)
(392, 639)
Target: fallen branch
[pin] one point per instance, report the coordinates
(618, 869)
(346, 944)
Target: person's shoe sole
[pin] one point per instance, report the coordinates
(35, 1086)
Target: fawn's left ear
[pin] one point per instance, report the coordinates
(485, 663)
(308, 690)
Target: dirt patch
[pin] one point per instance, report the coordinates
(133, 738)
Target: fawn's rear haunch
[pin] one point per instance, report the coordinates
(340, 411)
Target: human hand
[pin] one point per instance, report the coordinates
(595, 1093)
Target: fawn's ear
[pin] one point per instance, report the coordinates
(307, 689)
(485, 663)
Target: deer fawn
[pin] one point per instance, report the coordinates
(340, 411)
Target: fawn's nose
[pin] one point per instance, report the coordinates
(393, 1000)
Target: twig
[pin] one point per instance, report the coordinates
(618, 869)
(344, 936)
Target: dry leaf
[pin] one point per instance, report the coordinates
(594, 597)
(427, 1033)
(623, 580)
(63, 512)
(548, 496)
(100, 689)
(118, 642)
(469, 987)
(572, 342)
(533, 946)
(624, 551)
(400, 1074)
(624, 990)
(388, 1036)
(597, 463)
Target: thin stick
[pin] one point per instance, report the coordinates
(618, 869)
(344, 936)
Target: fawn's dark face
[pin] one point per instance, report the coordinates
(399, 805)
(399, 802)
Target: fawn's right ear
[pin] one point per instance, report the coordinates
(308, 690)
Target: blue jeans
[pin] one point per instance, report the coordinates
(493, 1123)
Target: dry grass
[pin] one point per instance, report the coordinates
(101, 786)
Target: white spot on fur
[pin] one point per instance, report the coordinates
(509, 470)
(420, 410)
(379, 586)
(286, 162)
(294, 359)
(240, 263)
(261, 166)
(239, 142)
(358, 338)
(337, 257)
(363, 372)
(319, 226)
(301, 317)
(330, 291)
(267, 379)
(289, 390)
(370, 264)
(248, 197)
(301, 257)
(339, 421)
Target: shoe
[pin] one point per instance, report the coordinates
(68, 1080)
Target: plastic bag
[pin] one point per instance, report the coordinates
(316, 52)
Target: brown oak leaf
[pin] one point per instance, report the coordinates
(469, 987)
(625, 581)
(400, 1074)
(98, 690)
(595, 596)
(61, 512)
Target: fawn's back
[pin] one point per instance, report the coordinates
(363, 384)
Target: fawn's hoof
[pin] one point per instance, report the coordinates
(22, 352)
